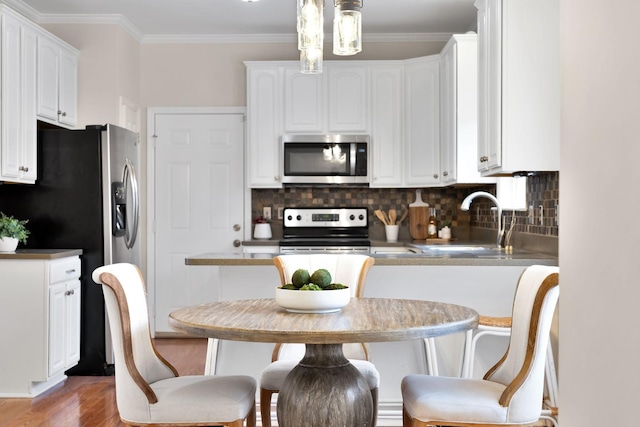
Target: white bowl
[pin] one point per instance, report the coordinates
(297, 301)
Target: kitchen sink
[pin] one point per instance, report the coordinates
(452, 250)
(395, 250)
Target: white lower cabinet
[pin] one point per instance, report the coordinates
(40, 308)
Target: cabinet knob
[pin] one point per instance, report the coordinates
(24, 168)
(435, 175)
(237, 243)
(59, 112)
(276, 178)
(70, 271)
(445, 173)
(484, 159)
(71, 292)
(64, 114)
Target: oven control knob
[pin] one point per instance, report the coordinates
(299, 217)
(352, 217)
(289, 217)
(361, 217)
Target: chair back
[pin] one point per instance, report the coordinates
(348, 269)
(137, 363)
(522, 367)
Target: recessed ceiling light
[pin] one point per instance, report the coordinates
(250, 1)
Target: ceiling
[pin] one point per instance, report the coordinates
(265, 19)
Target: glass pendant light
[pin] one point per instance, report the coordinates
(311, 61)
(310, 24)
(347, 27)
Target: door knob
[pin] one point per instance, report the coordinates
(237, 243)
(236, 227)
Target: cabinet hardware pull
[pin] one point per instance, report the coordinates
(24, 168)
(64, 114)
(59, 112)
(435, 176)
(73, 270)
(71, 292)
(445, 173)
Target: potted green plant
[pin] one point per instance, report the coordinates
(12, 231)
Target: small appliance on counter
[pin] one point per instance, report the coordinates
(325, 230)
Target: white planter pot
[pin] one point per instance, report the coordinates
(8, 244)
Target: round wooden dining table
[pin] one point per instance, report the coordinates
(324, 389)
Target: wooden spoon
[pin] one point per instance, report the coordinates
(381, 216)
(392, 216)
(403, 216)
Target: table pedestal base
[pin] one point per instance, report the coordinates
(323, 390)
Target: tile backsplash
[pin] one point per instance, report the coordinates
(542, 190)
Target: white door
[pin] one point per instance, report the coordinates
(198, 204)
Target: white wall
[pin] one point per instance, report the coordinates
(599, 178)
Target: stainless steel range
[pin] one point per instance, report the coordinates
(328, 230)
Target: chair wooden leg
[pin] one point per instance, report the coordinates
(265, 406)
(251, 416)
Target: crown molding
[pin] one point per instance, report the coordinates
(112, 19)
(218, 38)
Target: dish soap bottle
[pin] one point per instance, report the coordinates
(432, 229)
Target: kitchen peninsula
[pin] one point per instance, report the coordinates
(484, 282)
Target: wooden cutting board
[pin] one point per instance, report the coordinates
(418, 218)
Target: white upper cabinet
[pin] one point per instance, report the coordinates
(18, 137)
(459, 111)
(57, 100)
(264, 125)
(348, 90)
(422, 115)
(386, 125)
(519, 86)
(335, 101)
(304, 101)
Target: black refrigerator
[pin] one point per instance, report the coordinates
(86, 197)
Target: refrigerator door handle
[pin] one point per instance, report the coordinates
(131, 182)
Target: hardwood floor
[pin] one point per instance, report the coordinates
(91, 401)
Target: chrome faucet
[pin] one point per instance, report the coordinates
(466, 203)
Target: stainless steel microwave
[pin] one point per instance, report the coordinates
(325, 159)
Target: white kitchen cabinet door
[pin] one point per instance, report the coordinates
(422, 112)
(57, 329)
(519, 86)
(68, 92)
(18, 136)
(264, 125)
(459, 111)
(304, 101)
(386, 125)
(347, 98)
(57, 82)
(64, 319)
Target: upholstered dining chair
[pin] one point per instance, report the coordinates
(348, 269)
(511, 392)
(148, 388)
